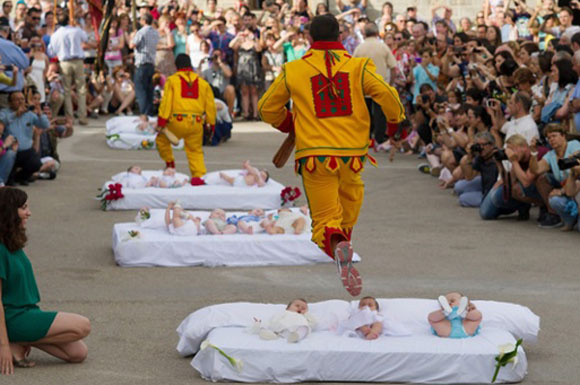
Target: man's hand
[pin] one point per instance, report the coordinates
(21, 110)
(511, 154)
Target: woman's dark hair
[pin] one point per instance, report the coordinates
(530, 47)
(497, 41)
(545, 61)
(323, 5)
(474, 94)
(324, 28)
(462, 36)
(508, 67)
(566, 75)
(12, 235)
(479, 112)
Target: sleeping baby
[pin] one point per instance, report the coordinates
(250, 176)
(167, 180)
(365, 322)
(294, 324)
(458, 317)
(181, 222)
(134, 178)
(216, 223)
(145, 126)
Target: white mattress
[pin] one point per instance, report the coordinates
(157, 247)
(207, 197)
(122, 133)
(323, 356)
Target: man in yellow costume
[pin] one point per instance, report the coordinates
(330, 120)
(187, 103)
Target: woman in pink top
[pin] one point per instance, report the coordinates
(113, 56)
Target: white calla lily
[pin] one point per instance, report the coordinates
(205, 344)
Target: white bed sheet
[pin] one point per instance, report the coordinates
(122, 133)
(207, 197)
(157, 247)
(324, 356)
(516, 319)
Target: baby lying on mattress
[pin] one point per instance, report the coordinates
(250, 176)
(458, 317)
(134, 179)
(294, 324)
(365, 322)
(285, 221)
(145, 126)
(179, 222)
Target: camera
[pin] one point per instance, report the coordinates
(500, 155)
(476, 148)
(568, 163)
(425, 98)
(459, 49)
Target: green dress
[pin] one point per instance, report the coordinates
(25, 322)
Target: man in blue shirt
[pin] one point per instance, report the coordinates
(20, 122)
(144, 42)
(11, 55)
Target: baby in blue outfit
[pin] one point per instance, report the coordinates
(458, 317)
(249, 223)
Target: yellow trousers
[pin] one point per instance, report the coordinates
(191, 131)
(335, 193)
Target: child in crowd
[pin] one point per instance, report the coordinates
(294, 324)
(216, 223)
(167, 180)
(458, 317)
(365, 322)
(287, 222)
(250, 223)
(251, 176)
(181, 222)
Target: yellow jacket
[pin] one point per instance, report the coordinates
(186, 94)
(329, 118)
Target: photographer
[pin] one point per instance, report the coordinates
(521, 121)
(218, 76)
(20, 122)
(565, 203)
(550, 177)
(479, 159)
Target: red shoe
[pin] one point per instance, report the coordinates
(349, 276)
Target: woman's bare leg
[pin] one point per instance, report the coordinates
(245, 101)
(73, 352)
(65, 328)
(254, 96)
(127, 101)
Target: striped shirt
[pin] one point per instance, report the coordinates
(145, 42)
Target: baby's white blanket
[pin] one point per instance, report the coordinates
(207, 197)
(326, 356)
(122, 133)
(157, 247)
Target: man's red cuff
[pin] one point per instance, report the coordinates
(161, 122)
(287, 125)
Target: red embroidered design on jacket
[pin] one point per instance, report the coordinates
(331, 98)
(189, 90)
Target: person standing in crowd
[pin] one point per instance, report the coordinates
(23, 325)
(67, 45)
(327, 88)
(144, 42)
(11, 55)
(218, 75)
(20, 122)
(187, 101)
(385, 62)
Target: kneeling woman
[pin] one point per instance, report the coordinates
(22, 324)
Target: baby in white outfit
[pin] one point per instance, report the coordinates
(294, 324)
(287, 222)
(167, 180)
(365, 322)
(134, 178)
(181, 223)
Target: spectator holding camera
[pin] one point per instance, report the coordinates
(423, 73)
(8, 149)
(521, 121)
(551, 177)
(566, 204)
(479, 171)
(218, 75)
(20, 122)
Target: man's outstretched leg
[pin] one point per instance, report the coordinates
(322, 187)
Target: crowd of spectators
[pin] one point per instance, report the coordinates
(493, 101)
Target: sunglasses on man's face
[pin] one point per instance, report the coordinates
(36, 18)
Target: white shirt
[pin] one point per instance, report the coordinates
(66, 43)
(524, 126)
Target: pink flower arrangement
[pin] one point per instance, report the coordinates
(289, 194)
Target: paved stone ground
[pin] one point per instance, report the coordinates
(414, 239)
